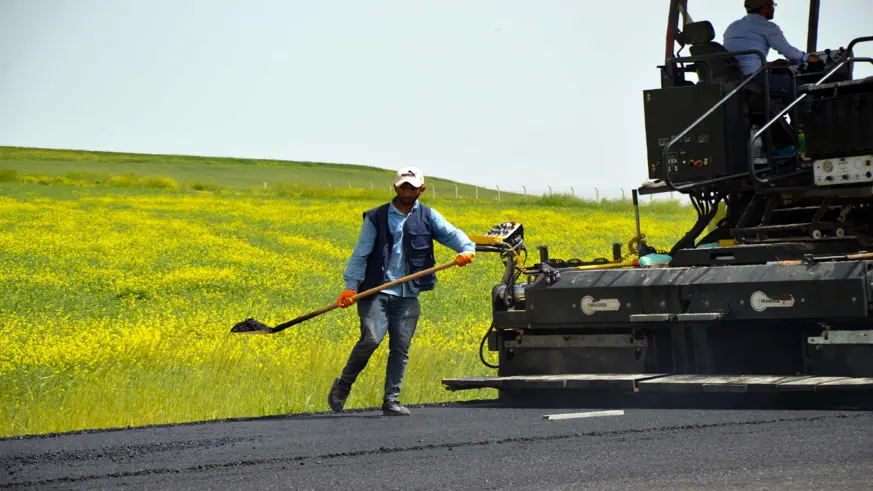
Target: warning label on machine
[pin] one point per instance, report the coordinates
(591, 305)
(761, 302)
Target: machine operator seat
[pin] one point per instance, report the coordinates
(727, 70)
(700, 35)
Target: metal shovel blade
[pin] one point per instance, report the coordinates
(251, 326)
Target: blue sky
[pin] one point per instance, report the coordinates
(491, 92)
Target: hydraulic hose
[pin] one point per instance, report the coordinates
(482, 346)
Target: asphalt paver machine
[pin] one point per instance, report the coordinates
(774, 298)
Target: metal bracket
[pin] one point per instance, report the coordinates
(652, 317)
(700, 316)
(842, 337)
(688, 317)
(577, 341)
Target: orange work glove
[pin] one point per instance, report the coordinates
(464, 259)
(345, 299)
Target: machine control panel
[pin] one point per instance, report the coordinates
(503, 230)
(843, 170)
(715, 147)
(509, 232)
(829, 58)
(696, 157)
(810, 73)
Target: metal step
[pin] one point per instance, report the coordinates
(622, 382)
(655, 382)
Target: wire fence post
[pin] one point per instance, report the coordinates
(391, 188)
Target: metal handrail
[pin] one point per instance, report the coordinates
(751, 147)
(714, 108)
(864, 39)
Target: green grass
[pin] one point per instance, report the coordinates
(284, 178)
(219, 173)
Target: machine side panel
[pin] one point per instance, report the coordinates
(818, 291)
(829, 290)
(840, 120)
(605, 296)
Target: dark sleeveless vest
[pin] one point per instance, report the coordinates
(418, 249)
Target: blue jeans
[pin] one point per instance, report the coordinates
(383, 314)
(784, 82)
(780, 81)
(784, 137)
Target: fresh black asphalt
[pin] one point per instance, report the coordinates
(463, 446)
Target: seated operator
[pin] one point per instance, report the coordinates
(756, 32)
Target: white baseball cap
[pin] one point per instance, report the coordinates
(412, 175)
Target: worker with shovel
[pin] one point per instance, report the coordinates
(396, 240)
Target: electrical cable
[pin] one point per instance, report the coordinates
(514, 265)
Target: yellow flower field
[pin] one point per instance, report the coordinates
(117, 307)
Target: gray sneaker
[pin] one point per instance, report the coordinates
(394, 408)
(339, 391)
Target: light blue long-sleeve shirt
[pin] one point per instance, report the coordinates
(754, 32)
(443, 232)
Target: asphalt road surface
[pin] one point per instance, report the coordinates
(466, 446)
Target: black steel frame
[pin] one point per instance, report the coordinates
(669, 73)
(736, 90)
(671, 76)
(670, 66)
(812, 27)
(850, 58)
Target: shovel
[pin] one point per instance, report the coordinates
(251, 326)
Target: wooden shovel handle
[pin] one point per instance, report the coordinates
(363, 294)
